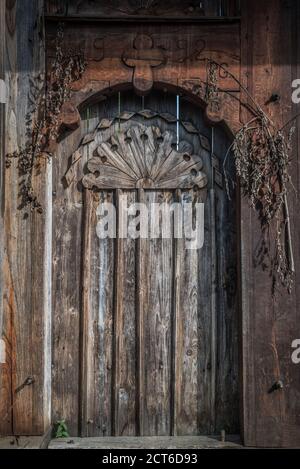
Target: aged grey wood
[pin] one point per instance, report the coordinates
(140, 338)
(143, 343)
(97, 324)
(5, 365)
(66, 274)
(124, 366)
(21, 442)
(157, 275)
(134, 10)
(187, 337)
(188, 442)
(26, 303)
(137, 158)
(268, 325)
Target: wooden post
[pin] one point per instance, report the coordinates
(26, 397)
(5, 374)
(2, 141)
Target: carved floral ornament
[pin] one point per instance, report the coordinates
(144, 157)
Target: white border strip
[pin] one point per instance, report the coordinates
(2, 352)
(2, 92)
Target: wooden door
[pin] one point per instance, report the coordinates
(159, 324)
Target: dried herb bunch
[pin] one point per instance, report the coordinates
(262, 158)
(42, 119)
(261, 153)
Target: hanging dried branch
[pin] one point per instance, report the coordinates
(262, 157)
(42, 120)
(212, 91)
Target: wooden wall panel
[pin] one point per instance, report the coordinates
(147, 384)
(5, 365)
(189, 334)
(66, 274)
(156, 309)
(26, 311)
(269, 30)
(127, 9)
(269, 324)
(97, 323)
(125, 349)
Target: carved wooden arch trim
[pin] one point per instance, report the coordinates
(228, 114)
(144, 157)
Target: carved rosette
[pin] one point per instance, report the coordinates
(144, 157)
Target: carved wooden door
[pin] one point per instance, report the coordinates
(159, 353)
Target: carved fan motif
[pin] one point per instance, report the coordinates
(144, 158)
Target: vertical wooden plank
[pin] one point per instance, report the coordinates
(205, 415)
(24, 300)
(213, 337)
(5, 320)
(286, 306)
(187, 398)
(3, 99)
(157, 275)
(66, 281)
(97, 324)
(141, 289)
(268, 323)
(176, 349)
(124, 367)
(85, 359)
(227, 348)
(9, 204)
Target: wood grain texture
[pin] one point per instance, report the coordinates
(162, 377)
(183, 61)
(138, 159)
(5, 365)
(98, 317)
(270, 418)
(125, 330)
(66, 296)
(187, 335)
(156, 278)
(134, 10)
(24, 280)
(159, 442)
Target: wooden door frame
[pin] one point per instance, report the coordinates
(271, 28)
(200, 103)
(270, 428)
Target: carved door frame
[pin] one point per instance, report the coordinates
(226, 112)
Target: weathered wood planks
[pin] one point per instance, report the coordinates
(269, 324)
(159, 442)
(135, 10)
(25, 275)
(5, 365)
(155, 351)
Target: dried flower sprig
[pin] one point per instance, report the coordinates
(262, 158)
(42, 120)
